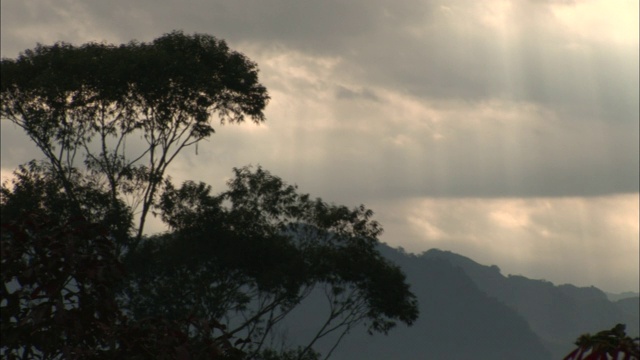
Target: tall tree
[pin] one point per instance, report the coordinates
(89, 100)
(233, 265)
(253, 254)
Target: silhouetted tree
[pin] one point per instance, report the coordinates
(35, 190)
(59, 300)
(89, 100)
(605, 345)
(81, 280)
(256, 251)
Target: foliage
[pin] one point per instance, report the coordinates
(79, 278)
(252, 253)
(59, 301)
(89, 100)
(605, 345)
(36, 190)
(256, 251)
(61, 273)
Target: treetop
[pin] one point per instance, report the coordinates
(197, 74)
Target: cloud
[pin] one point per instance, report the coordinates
(425, 129)
(493, 98)
(482, 127)
(558, 239)
(566, 56)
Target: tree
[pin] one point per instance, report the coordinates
(605, 345)
(37, 191)
(239, 262)
(61, 274)
(232, 266)
(255, 252)
(89, 100)
(59, 300)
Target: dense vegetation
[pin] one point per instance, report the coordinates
(605, 345)
(80, 277)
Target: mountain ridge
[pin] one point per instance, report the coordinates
(556, 313)
(457, 320)
(470, 311)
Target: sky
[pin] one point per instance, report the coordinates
(505, 131)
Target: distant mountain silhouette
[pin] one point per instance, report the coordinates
(558, 314)
(470, 311)
(620, 296)
(457, 321)
(631, 307)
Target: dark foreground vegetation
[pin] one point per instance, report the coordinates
(80, 277)
(605, 345)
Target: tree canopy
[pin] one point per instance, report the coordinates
(605, 345)
(82, 280)
(89, 100)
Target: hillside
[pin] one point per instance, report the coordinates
(558, 314)
(457, 321)
(470, 311)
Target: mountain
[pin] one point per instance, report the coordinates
(457, 321)
(470, 311)
(557, 314)
(620, 296)
(630, 306)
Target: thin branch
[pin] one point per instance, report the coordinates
(345, 332)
